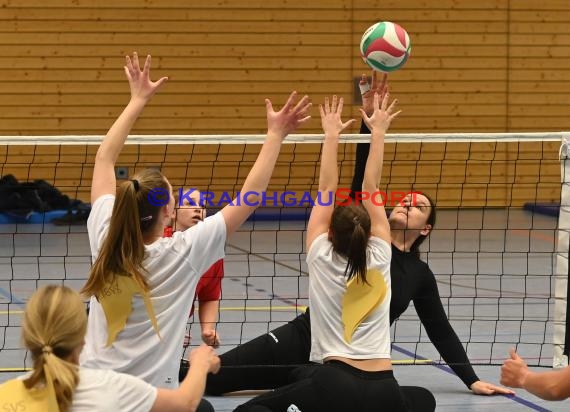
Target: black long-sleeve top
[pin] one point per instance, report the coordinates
(413, 280)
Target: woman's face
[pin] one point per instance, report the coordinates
(411, 214)
(187, 215)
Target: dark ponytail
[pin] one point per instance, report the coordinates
(350, 226)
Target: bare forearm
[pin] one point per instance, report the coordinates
(548, 385)
(208, 314)
(373, 170)
(194, 384)
(115, 139)
(328, 176)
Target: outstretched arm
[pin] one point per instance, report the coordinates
(319, 222)
(280, 124)
(440, 332)
(142, 89)
(362, 149)
(379, 123)
(552, 386)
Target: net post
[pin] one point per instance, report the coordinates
(561, 338)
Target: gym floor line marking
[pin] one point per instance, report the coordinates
(447, 369)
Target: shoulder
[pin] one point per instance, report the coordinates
(379, 243)
(210, 227)
(103, 202)
(320, 243)
(216, 221)
(98, 375)
(379, 249)
(100, 212)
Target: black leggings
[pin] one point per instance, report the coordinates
(339, 387)
(265, 362)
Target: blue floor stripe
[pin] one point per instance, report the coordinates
(11, 299)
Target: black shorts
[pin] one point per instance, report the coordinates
(339, 387)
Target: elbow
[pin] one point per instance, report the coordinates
(328, 188)
(367, 188)
(102, 156)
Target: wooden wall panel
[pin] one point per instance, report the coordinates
(485, 66)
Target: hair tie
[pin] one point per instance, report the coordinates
(356, 220)
(136, 184)
(47, 349)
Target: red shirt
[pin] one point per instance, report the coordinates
(210, 285)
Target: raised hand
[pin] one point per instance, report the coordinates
(367, 91)
(382, 114)
(331, 117)
(139, 81)
(287, 119)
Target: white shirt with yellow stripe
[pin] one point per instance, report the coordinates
(349, 319)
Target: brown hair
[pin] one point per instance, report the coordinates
(55, 323)
(415, 248)
(134, 214)
(350, 227)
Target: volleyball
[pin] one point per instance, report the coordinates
(385, 46)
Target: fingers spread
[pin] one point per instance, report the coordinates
(385, 101)
(391, 107)
(289, 102)
(340, 105)
(334, 104)
(136, 62)
(302, 104)
(394, 115)
(160, 81)
(146, 68)
(348, 123)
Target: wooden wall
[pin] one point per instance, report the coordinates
(481, 66)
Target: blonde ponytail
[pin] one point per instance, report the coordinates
(54, 328)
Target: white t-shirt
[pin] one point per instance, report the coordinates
(327, 287)
(105, 390)
(174, 267)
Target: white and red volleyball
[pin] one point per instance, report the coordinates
(385, 46)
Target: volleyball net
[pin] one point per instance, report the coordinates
(501, 267)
